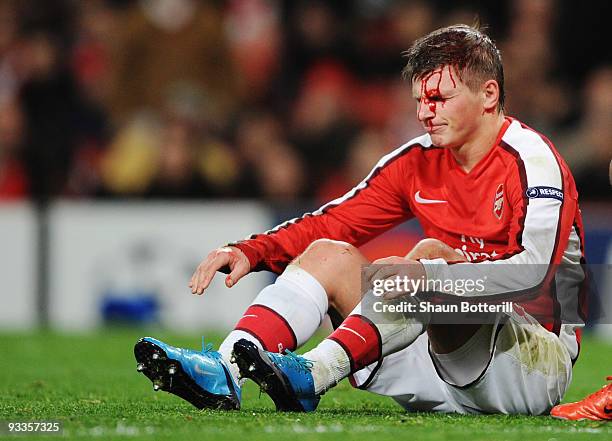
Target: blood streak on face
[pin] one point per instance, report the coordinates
(430, 96)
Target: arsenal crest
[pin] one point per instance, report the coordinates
(498, 202)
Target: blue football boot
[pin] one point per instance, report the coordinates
(200, 377)
(287, 378)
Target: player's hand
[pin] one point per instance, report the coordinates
(434, 249)
(390, 268)
(231, 257)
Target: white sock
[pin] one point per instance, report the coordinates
(296, 296)
(299, 298)
(330, 365)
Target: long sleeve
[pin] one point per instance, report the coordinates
(375, 205)
(544, 203)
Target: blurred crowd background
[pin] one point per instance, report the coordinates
(269, 99)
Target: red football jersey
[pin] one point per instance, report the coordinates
(518, 205)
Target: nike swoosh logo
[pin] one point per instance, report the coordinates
(420, 200)
(249, 315)
(353, 331)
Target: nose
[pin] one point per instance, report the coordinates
(424, 110)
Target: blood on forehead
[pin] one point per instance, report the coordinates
(430, 83)
(430, 86)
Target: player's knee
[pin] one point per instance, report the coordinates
(337, 266)
(324, 249)
(330, 256)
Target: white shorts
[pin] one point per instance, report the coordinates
(527, 372)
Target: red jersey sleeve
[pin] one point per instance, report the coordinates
(543, 198)
(375, 205)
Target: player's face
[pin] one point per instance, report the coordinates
(447, 108)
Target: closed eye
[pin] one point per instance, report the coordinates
(432, 98)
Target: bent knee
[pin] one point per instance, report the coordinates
(329, 248)
(321, 251)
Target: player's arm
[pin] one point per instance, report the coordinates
(375, 205)
(543, 207)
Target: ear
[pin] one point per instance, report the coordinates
(490, 94)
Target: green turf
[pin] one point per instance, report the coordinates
(90, 383)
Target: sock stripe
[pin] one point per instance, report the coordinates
(293, 345)
(268, 327)
(360, 339)
(378, 336)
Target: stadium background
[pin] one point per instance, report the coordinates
(135, 136)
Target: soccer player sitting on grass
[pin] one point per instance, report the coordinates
(487, 190)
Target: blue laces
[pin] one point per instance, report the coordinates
(291, 359)
(207, 349)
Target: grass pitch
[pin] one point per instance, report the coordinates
(89, 382)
